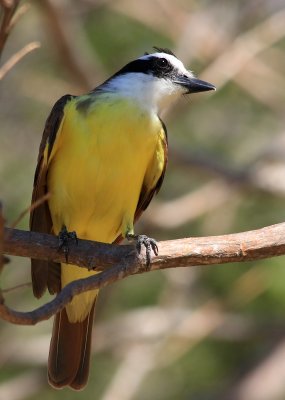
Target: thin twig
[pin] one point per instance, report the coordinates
(20, 12)
(9, 8)
(246, 47)
(17, 57)
(14, 288)
(29, 209)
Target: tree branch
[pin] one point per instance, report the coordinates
(86, 254)
(245, 246)
(117, 262)
(8, 8)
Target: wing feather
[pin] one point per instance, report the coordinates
(45, 273)
(147, 193)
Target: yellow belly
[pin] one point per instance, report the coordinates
(97, 168)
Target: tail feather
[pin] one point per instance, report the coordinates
(82, 374)
(70, 348)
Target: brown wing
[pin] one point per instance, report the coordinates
(45, 273)
(147, 193)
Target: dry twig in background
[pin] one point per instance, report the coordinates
(17, 57)
(71, 43)
(9, 19)
(9, 8)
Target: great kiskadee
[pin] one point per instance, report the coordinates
(102, 158)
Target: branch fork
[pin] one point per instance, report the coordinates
(117, 262)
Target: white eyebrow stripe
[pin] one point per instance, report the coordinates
(172, 59)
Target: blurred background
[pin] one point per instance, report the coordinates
(202, 333)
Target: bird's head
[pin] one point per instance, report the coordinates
(155, 80)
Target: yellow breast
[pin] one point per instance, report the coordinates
(98, 167)
(101, 158)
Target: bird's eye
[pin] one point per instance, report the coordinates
(162, 63)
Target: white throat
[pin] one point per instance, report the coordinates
(149, 92)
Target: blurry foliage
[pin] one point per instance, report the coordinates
(239, 126)
(131, 38)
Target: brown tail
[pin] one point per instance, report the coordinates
(69, 354)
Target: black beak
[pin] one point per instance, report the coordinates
(193, 85)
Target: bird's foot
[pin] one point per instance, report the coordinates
(148, 243)
(63, 237)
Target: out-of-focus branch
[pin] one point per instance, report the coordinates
(260, 176)
(9, 19)
(265, 381)
(179, 211)
(17, 57)
(246, 47)
(270, 84)
(154, 14)
(148, 356)
(17, 287)
(131, 328)
(72, 48)
(257, 175)
(9, 8)
(27, 210)
(252, 245)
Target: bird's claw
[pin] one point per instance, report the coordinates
(63, 237)
(149, 244)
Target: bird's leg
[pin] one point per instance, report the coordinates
(148, 243)
(63, 238)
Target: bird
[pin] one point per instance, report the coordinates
(102, 157)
